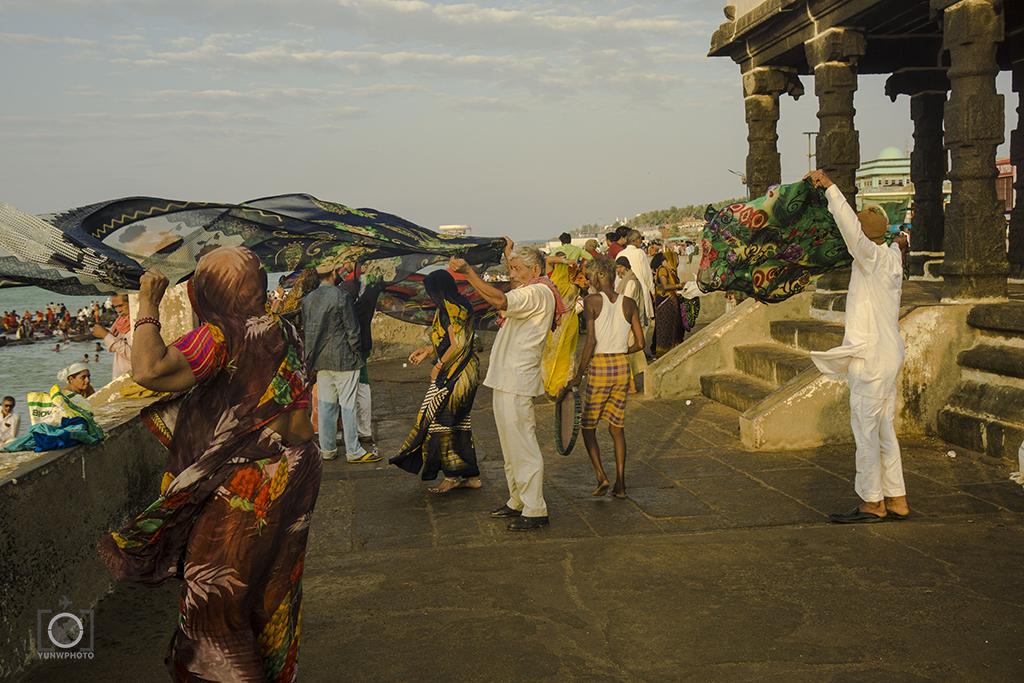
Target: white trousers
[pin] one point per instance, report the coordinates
(524, 463)
(364, 409)
(879, 464)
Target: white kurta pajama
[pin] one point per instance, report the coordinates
(871, 354)
(514, 374)
(640, 264)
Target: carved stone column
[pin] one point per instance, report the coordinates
(1016, 251)
(927, 90)
(833, 57)
(761, 89)
(975, 264)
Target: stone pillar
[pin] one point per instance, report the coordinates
(761, 89)
(833, 57)
(975, 264)
(1016, 251)
(927, 90)
(928, 169)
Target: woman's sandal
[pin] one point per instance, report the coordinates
(602, 488)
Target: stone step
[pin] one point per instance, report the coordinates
(984, 417)
(983, 434)
(773, 363)
(807, 334)
(735, 389)
(1006, 318)
(996, 401)
(829, 301)
(1007, 361)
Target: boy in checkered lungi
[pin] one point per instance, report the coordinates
(613, 331)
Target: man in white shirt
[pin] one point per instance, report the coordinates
(10, 421)
(640, 264)
(870, 357)
(514, 374)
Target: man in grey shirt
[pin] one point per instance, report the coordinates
(332, 354)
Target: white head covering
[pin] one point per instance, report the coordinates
(71, 370)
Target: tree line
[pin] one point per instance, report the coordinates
(662, 218)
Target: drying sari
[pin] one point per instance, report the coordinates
(770, 248)
(558, 360)
(233, 515)
(442, 437)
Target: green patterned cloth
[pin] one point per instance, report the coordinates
(770, 248)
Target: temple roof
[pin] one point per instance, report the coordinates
(900, 33)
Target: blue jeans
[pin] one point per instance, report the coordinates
(336, 392)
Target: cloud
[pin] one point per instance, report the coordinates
(26, 39)
(121, 117)
(346, 113)
(536, 24)
(284, 54)
(497, 105)
(281, 95)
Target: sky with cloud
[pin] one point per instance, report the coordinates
(516, 117)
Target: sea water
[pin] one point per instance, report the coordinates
(34, 367)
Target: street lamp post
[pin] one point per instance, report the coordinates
(810, 152)
(743, 179)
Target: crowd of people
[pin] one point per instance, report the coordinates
(56, 320)
(246, 452)
(75, 380)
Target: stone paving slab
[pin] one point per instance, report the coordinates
(719, 567)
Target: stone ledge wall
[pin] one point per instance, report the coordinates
(53, 511)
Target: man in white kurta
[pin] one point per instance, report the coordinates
(514, 375)
(870, 357)
(640, 264)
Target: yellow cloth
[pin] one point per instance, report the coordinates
(558, 361)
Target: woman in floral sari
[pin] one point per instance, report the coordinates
(442, 438)
(243, 474)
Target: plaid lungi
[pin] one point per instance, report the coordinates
(607, 386)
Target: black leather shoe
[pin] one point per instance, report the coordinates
(528, 523)
(505, 511)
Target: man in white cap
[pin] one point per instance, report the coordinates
(870, 357)
(76, 379)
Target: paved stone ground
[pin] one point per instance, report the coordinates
(719, 567)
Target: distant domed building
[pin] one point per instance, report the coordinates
(886, 180)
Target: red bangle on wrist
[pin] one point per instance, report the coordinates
(149, 321)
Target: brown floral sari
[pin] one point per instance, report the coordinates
(233, 516)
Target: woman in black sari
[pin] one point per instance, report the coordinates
(442, 437)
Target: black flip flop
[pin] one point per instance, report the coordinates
(855, 516)
(897, 517)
